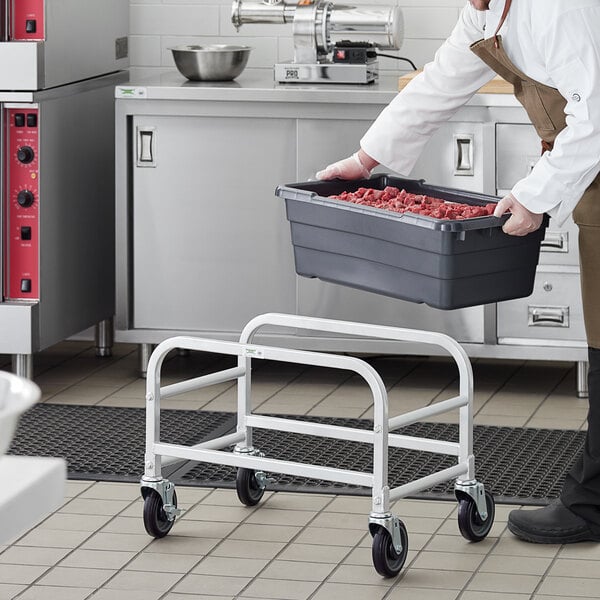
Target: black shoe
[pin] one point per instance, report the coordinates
(553, 524)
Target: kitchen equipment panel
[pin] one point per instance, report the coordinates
(57, 214)
(189, 228)
(47, 43)
(552, 312)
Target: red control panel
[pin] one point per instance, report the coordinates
(21, 256)
(27, 18)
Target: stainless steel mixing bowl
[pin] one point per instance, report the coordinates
(217, 62)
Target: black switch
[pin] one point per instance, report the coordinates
(30, 26)
(19, 119)
(31, 120)
(25, 233)
(26, 285)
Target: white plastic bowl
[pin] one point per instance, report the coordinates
(17, 395)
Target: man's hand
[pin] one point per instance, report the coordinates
(521, 221)
(357, 166)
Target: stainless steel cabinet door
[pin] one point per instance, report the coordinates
(209, 246)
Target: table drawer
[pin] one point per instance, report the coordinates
(552, 312)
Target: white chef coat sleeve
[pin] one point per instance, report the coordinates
(571, 50)
(398, 135)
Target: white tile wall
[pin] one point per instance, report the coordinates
(156, 25)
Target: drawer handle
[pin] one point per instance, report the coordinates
(548, 316)
(555, 241)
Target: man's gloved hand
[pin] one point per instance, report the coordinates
(521, 221)
(349, 168)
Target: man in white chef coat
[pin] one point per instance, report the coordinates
(550, 51)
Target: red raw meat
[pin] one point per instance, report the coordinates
(394, 199)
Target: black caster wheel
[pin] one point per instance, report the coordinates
(386, 560)
(471, 525)
(156, 522)
(248, 490)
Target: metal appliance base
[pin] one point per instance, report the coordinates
(326, 72)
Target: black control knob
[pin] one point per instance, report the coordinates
(25, 198)
(25, 154)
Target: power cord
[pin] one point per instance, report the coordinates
(412, 64)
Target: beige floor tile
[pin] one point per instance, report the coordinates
(499, 420)
(424, 508)
(162, 563)
(111, 491)
(21, 555)
(116, 541)
(537, 422)
(573, 568)
(290, 501)
(173, 596)
(343, 591)
(21, 574)
(350, 504)
(125, 525)
(248, 549)
(271, 588)
(274, 516)
(50, 538)
(436, 578)
(268, 533)
(401, 592)
(225, 514)
(74, 488)
(560, 587)
(209, 584)
(562, 597)
(583, 551)
(88, 506)
(504, 582)
(336, 520)
(47, 592)
(422, 524)
(75, 577)
(509, 545)
(359, 574)
(314, 553)
(143, 580)
(99, 559)
(456, 543)
(297, 570)
(177, 544)
(470, 595)
(445, 561)
(202, 529)
(517, 565)
(108, 594)
(75, 522)
(218, 565)
(8, 591)
(330, 537)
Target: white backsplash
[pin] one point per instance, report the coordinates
(156, 25)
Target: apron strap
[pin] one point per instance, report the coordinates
(507, 4)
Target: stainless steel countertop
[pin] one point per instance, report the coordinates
(258, 85)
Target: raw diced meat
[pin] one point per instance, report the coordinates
(397, 200)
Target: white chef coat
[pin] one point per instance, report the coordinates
(555, 42)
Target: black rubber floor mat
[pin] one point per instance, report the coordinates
(518, 465)
(107, 443)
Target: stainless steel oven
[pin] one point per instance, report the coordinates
(46, 43)
(60, 61)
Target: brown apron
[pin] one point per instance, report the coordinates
(546, 108)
